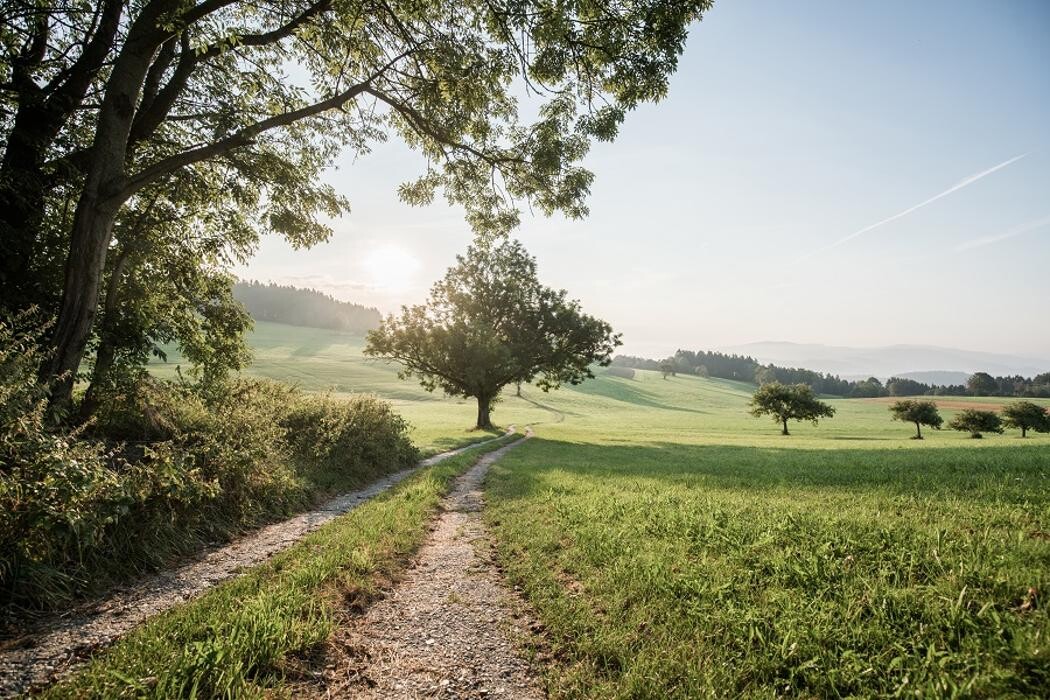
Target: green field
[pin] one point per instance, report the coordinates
(675, 546)
(608, 409)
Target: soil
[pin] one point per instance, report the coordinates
(450, 629)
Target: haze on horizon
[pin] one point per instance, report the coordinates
(837, 173)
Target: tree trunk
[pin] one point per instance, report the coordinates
(918, 431)
(39, 117)
(484, 408)
(107, 349)
(103, 194)
(21, 208)
(103, 364)
(785, 430)
(518, 392)
(1024, 431)
(92, 230)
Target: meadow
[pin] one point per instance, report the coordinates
(710, 411)
(674, 546)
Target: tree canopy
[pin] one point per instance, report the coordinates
(918, 412)
(785, 402)
(1025, 416)
(982, 384)
(489, 323)
(106, 106)
(976, 422)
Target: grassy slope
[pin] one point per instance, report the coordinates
(256, 632)
(710, 411)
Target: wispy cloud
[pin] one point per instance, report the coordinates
(1009, 233)
(965, 182)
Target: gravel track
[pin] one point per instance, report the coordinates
(58, 644)
(449, 629)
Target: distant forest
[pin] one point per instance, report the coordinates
(746, 369)
(303, 307)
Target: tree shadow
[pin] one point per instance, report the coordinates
(464, 439)
(625, 393)
(312, 350)
(1000, 474)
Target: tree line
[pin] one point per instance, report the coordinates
(304, 307)
(745, 368)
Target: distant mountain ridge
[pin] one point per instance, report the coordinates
(926, 363)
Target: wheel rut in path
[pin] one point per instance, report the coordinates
(58, 644)
(449, 629)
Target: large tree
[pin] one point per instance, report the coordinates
(102, 101)
(785, 402)
(490, 323)
(918, 412)
(1025, 416)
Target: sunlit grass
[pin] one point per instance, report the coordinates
(671, 566)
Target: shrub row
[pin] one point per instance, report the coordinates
(163, 469)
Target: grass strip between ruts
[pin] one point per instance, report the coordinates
(246, 636)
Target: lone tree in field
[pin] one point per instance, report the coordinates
(490, 323)
(918, 412)
(976, 422)
(667, 367)
(1026, 416)
(786, 402)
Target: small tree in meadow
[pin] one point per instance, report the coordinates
(667, 367)
(976, 422)
(786, 402)
(918, 412)
(1026, 416)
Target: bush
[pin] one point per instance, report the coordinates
(162, 470)
(616, 371)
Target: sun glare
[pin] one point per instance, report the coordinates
(391, 268)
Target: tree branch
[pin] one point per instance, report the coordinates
(243, 136)
(420, 123)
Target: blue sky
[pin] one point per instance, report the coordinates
(829, 172)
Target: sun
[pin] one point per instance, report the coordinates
(391, 268)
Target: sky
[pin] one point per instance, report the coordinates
(847, 173)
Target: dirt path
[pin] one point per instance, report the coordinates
(58, 644)
(449, 629)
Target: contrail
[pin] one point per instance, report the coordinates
(1010, 233)
(957, 186)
